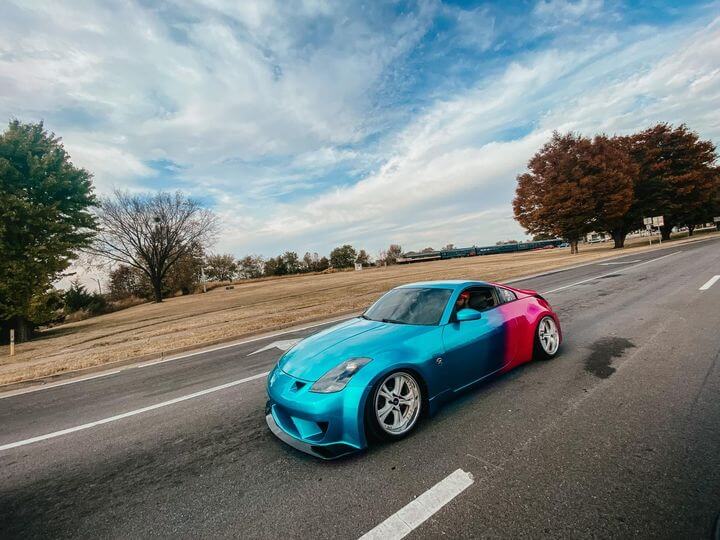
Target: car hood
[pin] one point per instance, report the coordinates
(314, 356)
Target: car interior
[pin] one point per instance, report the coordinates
(481, 298)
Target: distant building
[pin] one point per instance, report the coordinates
(595, 237)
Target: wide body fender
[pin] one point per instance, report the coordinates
(419, 359)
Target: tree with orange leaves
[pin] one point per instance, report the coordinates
(575, 185)
(677, 176)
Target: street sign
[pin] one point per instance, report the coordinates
(358, 267)
(655, 221)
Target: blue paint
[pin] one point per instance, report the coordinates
(468, 351)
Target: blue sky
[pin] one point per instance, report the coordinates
(309, 124)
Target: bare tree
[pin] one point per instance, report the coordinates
(152, 232)
(363, 258)
(393, 253)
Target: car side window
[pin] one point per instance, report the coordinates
(506, 295)
(477, 298)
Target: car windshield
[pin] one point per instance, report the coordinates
(410, 306)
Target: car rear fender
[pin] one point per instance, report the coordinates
(524, 293)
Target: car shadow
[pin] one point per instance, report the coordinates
(454, 405)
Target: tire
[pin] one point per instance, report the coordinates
(391, 416)
(547, 339)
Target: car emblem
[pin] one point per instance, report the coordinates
(438, 361)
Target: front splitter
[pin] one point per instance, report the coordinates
(324, 452)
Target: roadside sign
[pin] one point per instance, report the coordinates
(655, 221)
(716, 219)
(358, 267)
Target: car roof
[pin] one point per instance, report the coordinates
(444, 284)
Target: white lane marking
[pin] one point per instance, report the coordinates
(131, 413)
(621, 262)
(412, 515)
(710, 282)
(172, 358)
(608, 274)
(283, 345)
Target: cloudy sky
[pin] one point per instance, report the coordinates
(308, 124)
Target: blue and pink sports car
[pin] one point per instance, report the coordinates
(375, 376)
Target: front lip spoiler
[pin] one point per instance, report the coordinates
(313, 450)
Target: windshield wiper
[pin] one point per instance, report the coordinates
(394, 321)
(363, 316)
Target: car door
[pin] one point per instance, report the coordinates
(476, 349)
(513, 311)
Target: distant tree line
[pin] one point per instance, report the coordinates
(126, 281)
(576, 185)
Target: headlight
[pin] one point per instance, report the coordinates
(272, 376)
(337, 378)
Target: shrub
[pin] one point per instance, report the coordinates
(77, 298)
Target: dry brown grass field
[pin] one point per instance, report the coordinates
(254, 307)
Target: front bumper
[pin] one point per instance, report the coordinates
(331, 451)
(326, 426)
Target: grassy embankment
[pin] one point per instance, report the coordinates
(258, 306)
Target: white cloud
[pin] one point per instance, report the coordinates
(559, 12)
(202, 84)
(111, 165)
(451, 166)
(261, 103)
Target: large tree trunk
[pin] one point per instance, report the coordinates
(691, 230)
(619, 238)
(157, 289)
(665, 231)
(23, 329)
(574, 247)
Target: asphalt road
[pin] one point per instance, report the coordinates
(619, 436)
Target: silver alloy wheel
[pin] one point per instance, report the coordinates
(549, 336)
(397, 403)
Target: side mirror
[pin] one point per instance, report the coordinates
(468, 314)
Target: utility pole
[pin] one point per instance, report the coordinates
(202, 278)
(12, 342)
